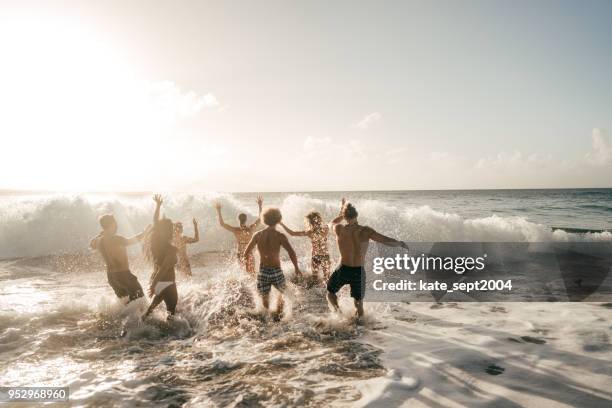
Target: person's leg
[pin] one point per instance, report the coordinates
(116, 285)
(357, 289)
(315, 266)
(333, 300)
(325, 267)
(170, 296)
(334, 284)
(250, 264)
(281, 286)
(359, 307)
(280, 304)
(133, 286)
(263, 288)
(265, 300)
(156, 301)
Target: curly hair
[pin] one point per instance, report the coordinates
(314, 220)
(271, 216)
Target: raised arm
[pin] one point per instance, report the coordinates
(385, 240)
(339, 217)
(285, 244)
(221, 222)
(251, 245)
(196, 234)
(260, 205)
(158, 202)
(294, 233)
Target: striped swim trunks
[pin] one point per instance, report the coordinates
(268, 276)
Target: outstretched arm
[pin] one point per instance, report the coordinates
(158, 202)
(294, 233)
(196, 234)
(339, 217)
(93, 244)
(221, 222)
(138, 237)
(260, 205)
(251, 245)
(385, 240)
(285, 244)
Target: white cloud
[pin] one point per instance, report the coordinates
(324, 148)
(437, 156)
(173, 101)
(395, 156)
(601, 154)
(314, 144)
(514, 160)
(502, 159)
(368, 120)
(357, 148)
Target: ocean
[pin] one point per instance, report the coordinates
(60, 323)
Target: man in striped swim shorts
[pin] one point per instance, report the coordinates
(269, 242)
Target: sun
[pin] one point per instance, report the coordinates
(69, 99)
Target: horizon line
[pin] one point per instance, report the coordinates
(143, 192)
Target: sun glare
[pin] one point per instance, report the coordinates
(68, 99)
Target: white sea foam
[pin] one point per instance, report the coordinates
(64, 328)
(42, 225)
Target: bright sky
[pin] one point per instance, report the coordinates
(305, 95)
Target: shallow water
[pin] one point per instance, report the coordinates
(61, 325)
(64, 329)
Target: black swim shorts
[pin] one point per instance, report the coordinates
(348, 275)
(125, 284)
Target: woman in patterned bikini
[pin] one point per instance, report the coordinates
(318, 232)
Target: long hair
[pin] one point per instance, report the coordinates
(159, 241)
(314, 221)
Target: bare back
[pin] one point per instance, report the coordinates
(269, 242)
(353, 240)
(114, 252)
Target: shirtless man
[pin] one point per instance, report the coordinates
(243, 235)
(181, 241)
(353, 240)
(113, 250)
(269, 241)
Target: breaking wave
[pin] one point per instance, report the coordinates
(43, 225)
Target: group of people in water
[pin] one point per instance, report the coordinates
(165, 248)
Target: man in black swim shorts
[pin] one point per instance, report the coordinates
(353, 240)
(113, 250)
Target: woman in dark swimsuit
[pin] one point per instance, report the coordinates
(164, 257)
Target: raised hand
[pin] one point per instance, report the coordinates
(195, 223)
(158, 199)
(259, 201)
(217, 205)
